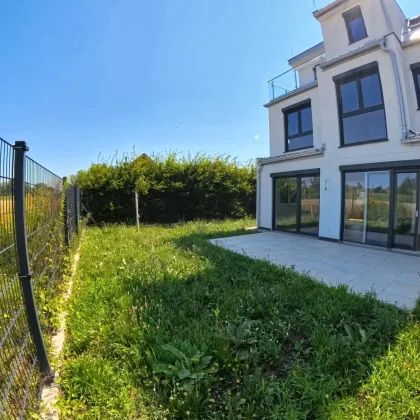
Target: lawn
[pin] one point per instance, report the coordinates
(162, 324)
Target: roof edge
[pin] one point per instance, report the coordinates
(320, 12)
(292, 93)
(310, 53)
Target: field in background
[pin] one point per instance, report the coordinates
(163, 324)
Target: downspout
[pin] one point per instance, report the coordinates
(403, 114)
(384, 47)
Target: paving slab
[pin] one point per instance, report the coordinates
(394, 277)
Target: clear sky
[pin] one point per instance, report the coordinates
(87, 77)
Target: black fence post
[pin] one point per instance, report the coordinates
(25, 274)
(65, 214)
(76, 210)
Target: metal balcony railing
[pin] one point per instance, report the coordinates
(283, 83)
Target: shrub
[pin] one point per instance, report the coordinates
(171, 188)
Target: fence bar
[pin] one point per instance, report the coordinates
(76, 216)
(25, 274)
(65, 210)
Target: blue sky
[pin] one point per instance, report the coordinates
(84, 78)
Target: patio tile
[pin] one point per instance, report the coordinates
(378, 276)
(344, 276)
(368, 282)
(376, 254)
(367, 260)
(404, 289)
(401, 301)
(329, 280)
(334, 261)
(356, 267)
(409, 278)
(320, 266)
(400, 262)
(394, 276)
(413, 269)
(363, 288)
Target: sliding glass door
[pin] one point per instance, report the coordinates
(286, 204)
(382, 208)
(366, 207)
(296, 207)
(406, 210)
(309, 205)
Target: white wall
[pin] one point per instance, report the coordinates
(306, 71)
(334, 30)
(330, 183)
(306, 75)
(412, 56)
(396, 16)
(325, 113)
(326, 130)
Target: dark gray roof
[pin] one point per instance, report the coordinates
(307, 55)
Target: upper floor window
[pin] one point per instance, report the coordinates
(415, 68)
(355, 24)
(361, 106)
(298, 124)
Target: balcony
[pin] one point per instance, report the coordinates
(283, 83)
(289, 83)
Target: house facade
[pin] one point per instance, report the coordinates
(344, 158)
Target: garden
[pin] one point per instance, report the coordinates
(163, 324)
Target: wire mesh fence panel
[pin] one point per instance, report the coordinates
(32, 253)
(19, 375)
(45, 235)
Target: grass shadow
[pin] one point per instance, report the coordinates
(196, 331)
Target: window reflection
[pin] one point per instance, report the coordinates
(286, 193)
(309, 222)
(366, 208)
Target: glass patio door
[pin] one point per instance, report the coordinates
(366, 207)
(286, 204)
(406, 213)
(296, 204)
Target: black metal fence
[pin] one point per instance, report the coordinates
(33, 239)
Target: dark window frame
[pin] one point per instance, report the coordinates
(356, 75)
(316, 172)
(394, 167)
(290, 110)
(348, 16)
(415, 70)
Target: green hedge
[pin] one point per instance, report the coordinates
(171, 188)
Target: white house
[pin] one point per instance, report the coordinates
(344, 158)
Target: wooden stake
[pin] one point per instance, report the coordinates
(136, 197)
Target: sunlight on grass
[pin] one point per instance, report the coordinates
(164, 324)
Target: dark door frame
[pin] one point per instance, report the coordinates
(394, 167)
(394, 202)
(298, 175)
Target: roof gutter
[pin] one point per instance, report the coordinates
(373, 45)
(291, 155)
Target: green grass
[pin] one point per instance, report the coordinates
(162, 324)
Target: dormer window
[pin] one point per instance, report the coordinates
(355, 24)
